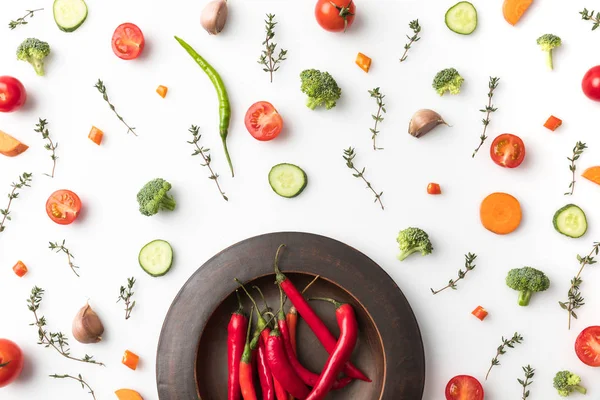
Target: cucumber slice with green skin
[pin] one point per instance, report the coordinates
(156, 258)
(462, 18)
(69, 14)
(287, 180)
(570, 221)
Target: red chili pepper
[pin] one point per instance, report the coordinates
(282, 369)
(312, 319)
(238, 324)
(346, 319)
(280, 393)
(264, 374)
(246, 373)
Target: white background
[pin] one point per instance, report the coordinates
(108, 235)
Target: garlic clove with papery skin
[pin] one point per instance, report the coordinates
(424, 121)
(87, 327)
(214, 16)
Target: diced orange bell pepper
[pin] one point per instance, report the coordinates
(434, 188)
(592, 174)
(480, 313)
(162, 91)
(553, 123)
(96, 135)
(20, 269)
(363, 62)
(130, 359)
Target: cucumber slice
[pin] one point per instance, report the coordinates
(287, 180)
(570, 221)
(462, 18)
(156, 258)
(69, 14)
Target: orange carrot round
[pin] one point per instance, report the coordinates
(513, 10)
(500, 213)
(128, 394)
(592, 174)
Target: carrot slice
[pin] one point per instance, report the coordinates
(553, 123)
(592, 174)
(363, 62)
(513, 10)
(500, 213)
(162, 91)
(96, 135)
(128, 394)
(9, 146)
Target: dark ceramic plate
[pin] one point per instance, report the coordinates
(191, 361)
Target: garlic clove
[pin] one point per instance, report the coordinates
(423, 121)
(214, 16)
(87, 327)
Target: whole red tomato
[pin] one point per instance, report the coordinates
(591, 83)
(335, 15)
(12, 94)
(11, 361)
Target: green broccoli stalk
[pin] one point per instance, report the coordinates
(566, 382)
(411, 240)
(34, 51)
(447, 80)
(320, 87)
(549, 42)
(527, 281)
(154, 197)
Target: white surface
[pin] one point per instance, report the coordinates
(107, 237)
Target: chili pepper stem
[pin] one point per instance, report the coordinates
(240, 309)
(248, 294)
(310, 284)
(262, 296)
(280, 277)
(336, 303)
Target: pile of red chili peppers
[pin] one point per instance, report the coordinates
(270, 352)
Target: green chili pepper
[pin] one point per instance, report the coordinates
(224, 107)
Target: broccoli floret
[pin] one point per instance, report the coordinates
(566, 382)
(448, 80)
(412, 240)
(154, 197)
(34, 51)
(527, 281)
(549, 42)
(320, 87)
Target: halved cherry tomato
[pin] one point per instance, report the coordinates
(128, 41)
(63, 207)
(130, 360)
(263, 121)
(434, 188)
(508, 150)
(480, 313)
(587, 346)
(12, 94)
(20, 269)
(11, 362)
(335, 15)
(591, 83)
(464, 387)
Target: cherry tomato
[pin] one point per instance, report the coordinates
(63, 207)
(263, 121)
(11, 361)
(335, 15)
(464, 387)
(508, 150)
(587, 346)
(591, 83)
(12, 94)
(128, 41)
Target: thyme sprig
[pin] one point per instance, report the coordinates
(469, 266)
(575, 299)
(24, 181)
(378, 96)
(589, 16)
(349, 155)
(58, 248)
(489, 108)
(102, 89)
(79, 379)
(577, 152)
(57, 340)
(416, 28)
(21, 21)
(205, 153)
(529, 373)
(125, 294)
(40, 127)
(267, 57)
(510, 343)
